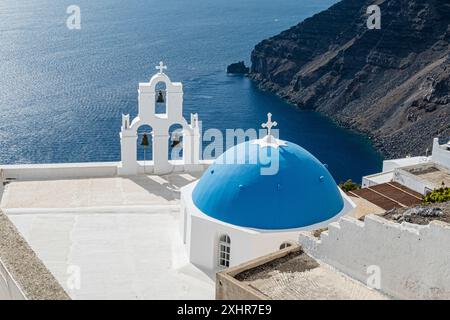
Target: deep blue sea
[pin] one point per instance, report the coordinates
(62, 92)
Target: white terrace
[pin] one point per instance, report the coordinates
(120, 233)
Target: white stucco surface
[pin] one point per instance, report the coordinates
(412, 260)
(122, 234)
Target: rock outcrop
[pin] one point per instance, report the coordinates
(392, 84)
(238, 68)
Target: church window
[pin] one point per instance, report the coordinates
(224, 251)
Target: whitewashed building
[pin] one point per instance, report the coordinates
(421, 174)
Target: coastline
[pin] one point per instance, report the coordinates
(369, 82)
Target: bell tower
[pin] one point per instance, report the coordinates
(160, 122)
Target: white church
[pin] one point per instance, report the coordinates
(234, 212)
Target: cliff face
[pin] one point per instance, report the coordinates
(392, 83)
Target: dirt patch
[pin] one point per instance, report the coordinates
(293, 262)
(421, 215)
(420, 171)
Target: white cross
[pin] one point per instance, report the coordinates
(161, 67)
(269, 124)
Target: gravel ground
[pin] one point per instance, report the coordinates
(293, 262)
(421, 215)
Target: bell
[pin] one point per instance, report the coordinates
(160, 97)
(144, 141)
(176, 138)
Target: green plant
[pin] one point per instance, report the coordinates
(349, 185)
(437, 196)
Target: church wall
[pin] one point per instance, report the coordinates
(203, 237)
(413, 261)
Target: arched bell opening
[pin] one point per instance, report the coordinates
(161, 98)
(144, 145)
(176, 142)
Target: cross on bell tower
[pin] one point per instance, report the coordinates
(269, 124)
(161, 67)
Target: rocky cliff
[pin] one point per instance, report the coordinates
(392, 84)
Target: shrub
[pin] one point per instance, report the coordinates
(349, 185)
(437, 196)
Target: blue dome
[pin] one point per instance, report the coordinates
(301, 192)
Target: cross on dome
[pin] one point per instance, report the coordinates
(161, 67)
(269, 140)
(269, 124)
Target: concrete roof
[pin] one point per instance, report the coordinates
(436, 175)
(293, 275)
(121, 234)
(30, 274)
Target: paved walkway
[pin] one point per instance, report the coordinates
(109, 238)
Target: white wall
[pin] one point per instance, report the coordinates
(55, 171)
(414, 260)
(389, 165)
(413, 182)
(378, 178)
(246, 244)
(59, 170)
(441, 154)
(9, 290)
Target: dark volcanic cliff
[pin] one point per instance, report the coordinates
(392, 83)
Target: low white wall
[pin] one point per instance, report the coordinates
(413, 260)
(55, 171)
(59, 170)
(412, 181)
(378, 178)
(389, 165)
(9, 290)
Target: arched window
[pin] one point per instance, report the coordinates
(284, 245)
(224, 251)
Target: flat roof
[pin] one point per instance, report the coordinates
(119, 235)
(297, 276)
(432, 173)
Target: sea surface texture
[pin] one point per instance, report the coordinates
(62, 92)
